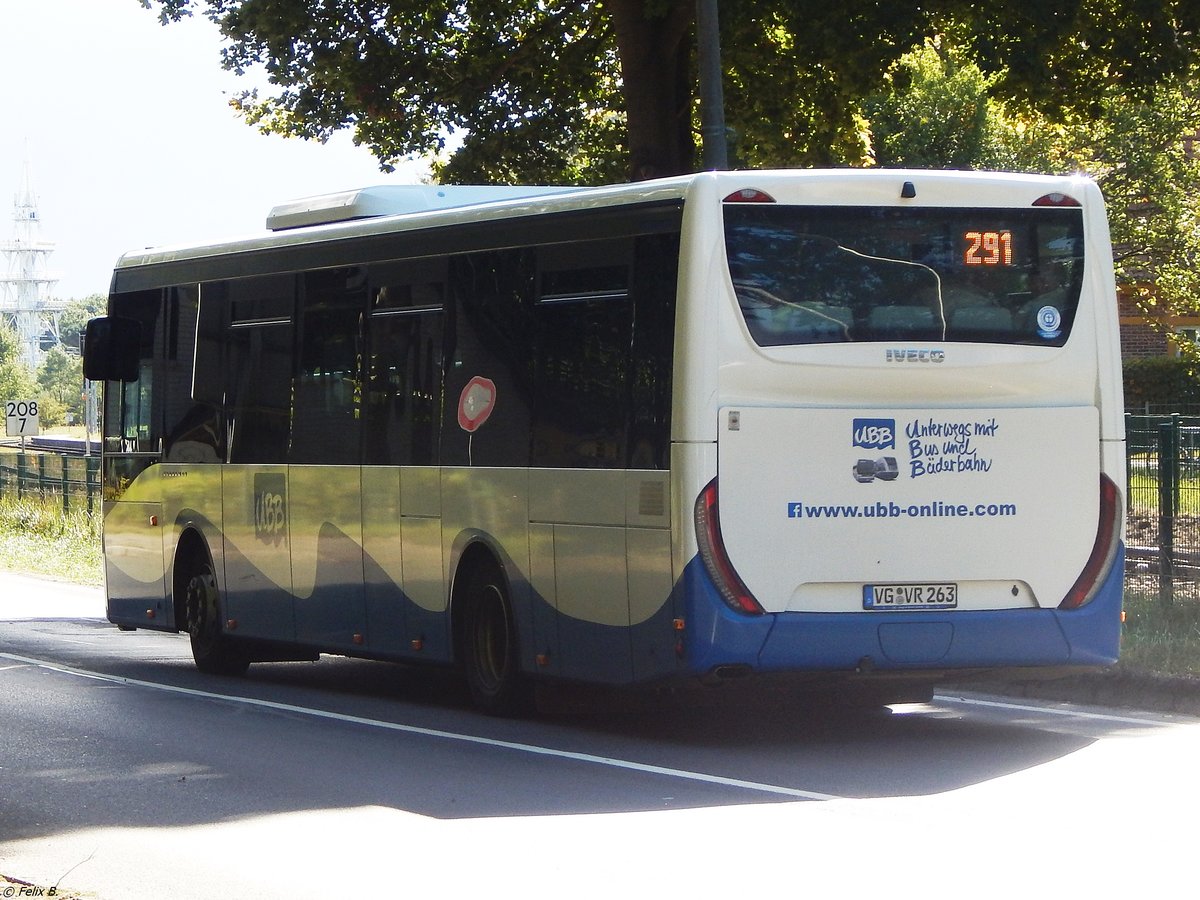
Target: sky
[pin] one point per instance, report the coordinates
(130, 140)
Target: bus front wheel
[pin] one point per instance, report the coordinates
(213, 651)
(490, 647)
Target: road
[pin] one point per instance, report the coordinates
(124, 773)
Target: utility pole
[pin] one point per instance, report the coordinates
(712, 92)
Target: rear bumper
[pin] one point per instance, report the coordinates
(916, 641)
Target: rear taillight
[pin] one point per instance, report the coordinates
(1056, 199)
(749, 195)
(1104, 551)
(716, 561)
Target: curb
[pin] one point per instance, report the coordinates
(1112, 688)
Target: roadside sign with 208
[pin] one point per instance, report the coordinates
(21, 417)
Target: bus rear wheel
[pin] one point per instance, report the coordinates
(213, 651)
(490, 648)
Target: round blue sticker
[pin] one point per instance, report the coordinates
(1049, 320)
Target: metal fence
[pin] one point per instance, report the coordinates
(71, 479)
(1163, 506)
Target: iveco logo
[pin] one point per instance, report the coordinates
(916, 356)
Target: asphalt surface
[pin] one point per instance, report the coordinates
(124, 773)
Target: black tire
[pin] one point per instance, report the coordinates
(214, 652)
(491, 654)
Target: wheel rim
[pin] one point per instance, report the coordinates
(491, 640)
(200, 607)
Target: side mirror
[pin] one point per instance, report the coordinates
(111, 349)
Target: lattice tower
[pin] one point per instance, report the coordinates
(27, 282)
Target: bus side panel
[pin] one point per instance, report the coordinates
(650, 609)
(425, 583)
(325, 512)
(258, 565)
(490, 506)
(1104, 311)
(133, 563)
(383, 569)
(191, 500)
(601, 562)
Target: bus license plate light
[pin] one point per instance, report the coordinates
(910, 596)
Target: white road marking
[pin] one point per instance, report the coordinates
(1052, 711)
(534, 749)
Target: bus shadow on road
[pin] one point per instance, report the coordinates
(791, 736)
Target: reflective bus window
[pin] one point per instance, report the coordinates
(404, 366)
(809, 275)
(326, 390)
(259, 366)
(132, 422)
(584, 329)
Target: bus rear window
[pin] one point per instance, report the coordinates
(816, 275)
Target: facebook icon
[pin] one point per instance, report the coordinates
(795, 511)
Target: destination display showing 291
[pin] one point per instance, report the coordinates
(987, 248)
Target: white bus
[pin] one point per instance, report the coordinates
(857, 425)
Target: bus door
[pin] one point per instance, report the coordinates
(132, 504)
(324, 475)
(403, 378)
(254, 483)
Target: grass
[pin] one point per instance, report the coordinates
(36, 538)
(1143, 490)
(1161, 639)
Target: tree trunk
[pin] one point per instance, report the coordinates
(655, 53)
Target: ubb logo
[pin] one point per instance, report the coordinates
(875, 434)
(270, 508)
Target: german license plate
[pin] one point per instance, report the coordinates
(910, 596)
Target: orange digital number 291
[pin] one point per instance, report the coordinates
(988, 248)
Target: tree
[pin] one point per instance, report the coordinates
(60, 378)
(1142, 152)
(575, 91)
(936, 111)
(16, 381)
(74, 319)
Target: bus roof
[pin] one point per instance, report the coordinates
(392, 200)
(374, 211)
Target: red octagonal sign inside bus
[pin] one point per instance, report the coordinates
(476, 403)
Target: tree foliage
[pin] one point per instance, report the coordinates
(16, 381)
(1157, 382)
(60, 379)
(1142, 152)
(936, 111)
(582, 91)
(74, 318)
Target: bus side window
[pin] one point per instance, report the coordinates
(584, 329)
(404, 372)
(656, 279)
(259, 370)
(326, 391)
(194, 425)
(133, 414)
(491, 335)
